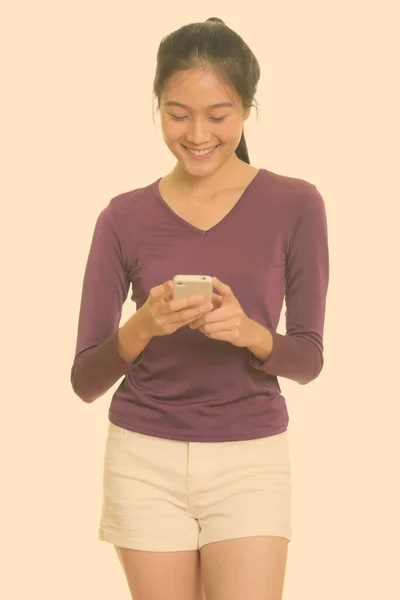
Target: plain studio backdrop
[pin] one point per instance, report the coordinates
(77, 130)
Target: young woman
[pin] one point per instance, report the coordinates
(197, 492)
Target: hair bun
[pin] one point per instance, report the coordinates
(216, 20)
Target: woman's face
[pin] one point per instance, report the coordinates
(202, 121)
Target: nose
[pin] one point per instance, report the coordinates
(198, 133)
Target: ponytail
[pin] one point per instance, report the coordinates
(241, 151)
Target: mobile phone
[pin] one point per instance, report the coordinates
(193, 285)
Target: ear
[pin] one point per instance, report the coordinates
(246, 113)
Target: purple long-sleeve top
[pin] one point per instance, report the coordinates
(273, 245)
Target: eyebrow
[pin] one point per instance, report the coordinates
(219, 105)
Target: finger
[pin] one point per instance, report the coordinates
(192, 302)
(187, 316)
(181, 304)
(224, 289)
(217, 300)
(168, 291)
(215, 316)
(220, 327)
(169, 287)
(164, 317)
(159, 291)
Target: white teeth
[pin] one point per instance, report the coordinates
(201, 152)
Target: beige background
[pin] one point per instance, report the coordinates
(77, 130)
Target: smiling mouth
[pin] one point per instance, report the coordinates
(201, 153)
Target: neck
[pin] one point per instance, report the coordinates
(231, 171)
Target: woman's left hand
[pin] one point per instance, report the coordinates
(228, 322)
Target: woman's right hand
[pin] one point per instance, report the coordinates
(162, 315)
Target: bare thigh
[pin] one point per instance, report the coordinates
(244, 568)
(162, 575)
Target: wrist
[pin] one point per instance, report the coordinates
(261, 341)
(133, 338)
(142, 326)
(254, 333)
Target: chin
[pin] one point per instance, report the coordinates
(200, 167)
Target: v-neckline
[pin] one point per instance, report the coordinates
(193, 228)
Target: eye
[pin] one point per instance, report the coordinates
(214, 119)
(177, 118)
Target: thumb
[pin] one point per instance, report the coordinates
(217, 300)
(168, 287)
(222, 288)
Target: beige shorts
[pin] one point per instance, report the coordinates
(166, 495)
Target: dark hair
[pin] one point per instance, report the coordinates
(210, 44)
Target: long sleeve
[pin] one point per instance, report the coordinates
(97, 364)
(298, 355)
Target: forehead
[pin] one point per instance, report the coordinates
(198, 89)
